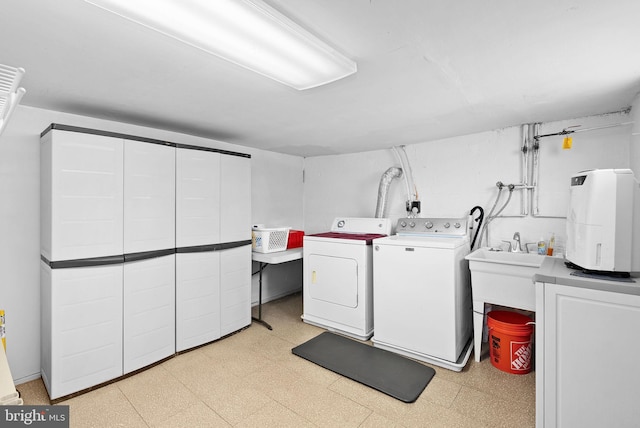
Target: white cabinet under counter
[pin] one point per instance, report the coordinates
(587, 371)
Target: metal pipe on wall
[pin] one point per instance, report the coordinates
(524, 167)
(535, 196)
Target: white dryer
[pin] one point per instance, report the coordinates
(422, 291)
(338, 275)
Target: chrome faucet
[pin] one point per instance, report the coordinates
(516, 248)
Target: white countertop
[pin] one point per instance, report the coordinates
(553, 270)
(278, 256)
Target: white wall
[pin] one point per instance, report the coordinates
(455, 174)
(635, 136)
(276, 198)
(452, 175)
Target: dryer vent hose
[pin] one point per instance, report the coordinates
(383, 189)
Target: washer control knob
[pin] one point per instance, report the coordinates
(403, 224)
(377, 248)
(447, 225)
(341, 223)
(412, 224)
(428, 225)
(457, 225)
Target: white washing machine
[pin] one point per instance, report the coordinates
(338, 275)
(422, 291)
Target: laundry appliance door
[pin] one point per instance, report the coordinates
(337, 286)
(334, 279)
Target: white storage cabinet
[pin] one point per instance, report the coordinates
(149, 243)
(586, 357)
(115, 210)
(149, 311)
(104, 199)
(197, 197)
(149, 196)
(235, 199)
(213, 268)
(235, 288)
(81, 181)
(81, 327)
(197, 298)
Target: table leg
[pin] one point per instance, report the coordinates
(259, 319)
(478, 324)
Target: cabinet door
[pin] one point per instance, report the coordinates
(235, 289)
(197, 299)
(149, 311)
(235, 198)
(197, 197)
(86, 196)
(591, 374)
(149, 196)
(86, 327)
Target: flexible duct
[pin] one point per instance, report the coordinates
(412, 194)
(383, 189)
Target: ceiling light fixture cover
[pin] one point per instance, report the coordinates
(248, 33)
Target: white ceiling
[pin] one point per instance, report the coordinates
(427, 69)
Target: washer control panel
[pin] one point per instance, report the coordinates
(432, 226)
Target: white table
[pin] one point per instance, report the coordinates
(265, 259)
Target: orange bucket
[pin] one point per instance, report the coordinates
(510, 341)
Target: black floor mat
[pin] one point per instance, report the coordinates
(385, 371)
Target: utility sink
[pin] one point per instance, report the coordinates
(486, 255)
(502, 278)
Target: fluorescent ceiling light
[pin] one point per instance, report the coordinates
(246, 32)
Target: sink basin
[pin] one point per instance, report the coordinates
(504, 278)
(501, 278)
(502, 257)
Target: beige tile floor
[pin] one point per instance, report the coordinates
(251, 379)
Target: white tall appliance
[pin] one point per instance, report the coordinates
(422, 291)
(603, 223)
